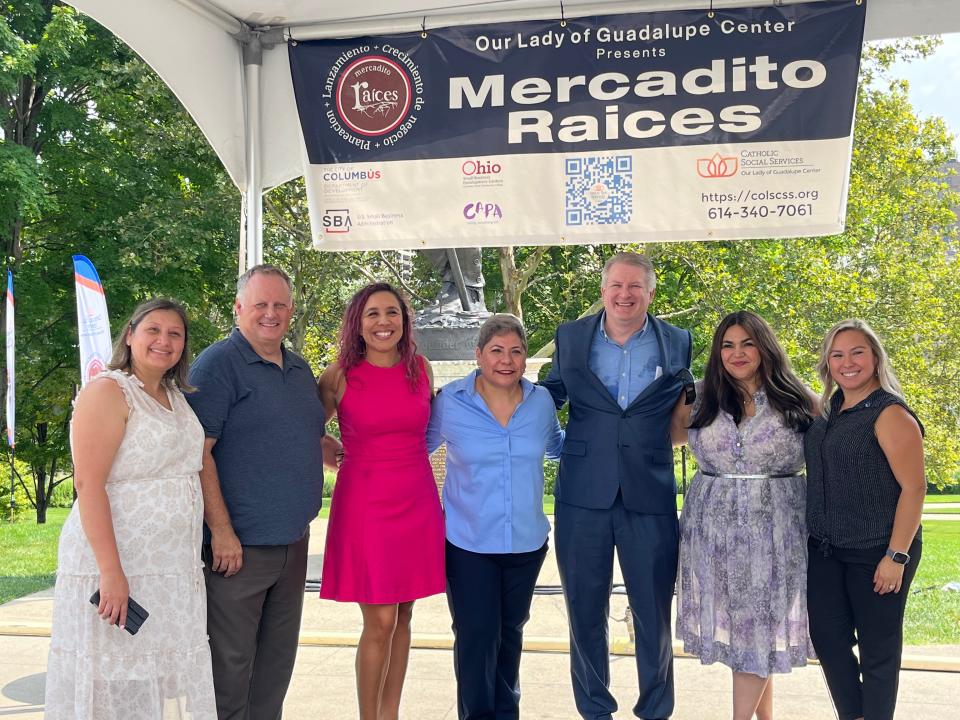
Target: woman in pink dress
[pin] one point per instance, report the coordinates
(385, 538)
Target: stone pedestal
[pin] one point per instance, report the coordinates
(445, 371)
(447, 343)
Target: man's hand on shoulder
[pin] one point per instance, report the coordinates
(227, 551)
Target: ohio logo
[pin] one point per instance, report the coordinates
(373, 95)
(336, 222)
(717, 166)
(480, 167)
(482, 212)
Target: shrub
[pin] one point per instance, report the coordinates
(550, 468)
(20, 496)
(62, 495)
(954, 489)
(329, 480)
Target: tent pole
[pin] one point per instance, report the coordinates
(253, 193)
(242, 239)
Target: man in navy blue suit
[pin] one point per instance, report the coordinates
(622, 371)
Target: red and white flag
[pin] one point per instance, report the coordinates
(93, 324)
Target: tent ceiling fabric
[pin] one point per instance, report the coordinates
(190, 45)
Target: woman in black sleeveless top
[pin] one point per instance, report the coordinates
(865, 489)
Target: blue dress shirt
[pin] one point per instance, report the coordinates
(625, 370)
(493, 492)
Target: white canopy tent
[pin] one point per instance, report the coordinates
(226, 60)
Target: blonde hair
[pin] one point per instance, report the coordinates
(630, 258)
(886, 376)
(262, 269)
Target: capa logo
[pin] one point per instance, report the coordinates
(482, 211)
(336, 221)
(373, 95)
(717, 166)
(480, 167)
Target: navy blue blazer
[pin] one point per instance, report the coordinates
(608, 449)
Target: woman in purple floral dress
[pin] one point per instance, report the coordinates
(743, 553)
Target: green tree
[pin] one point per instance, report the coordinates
(97, 158)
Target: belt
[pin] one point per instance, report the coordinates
(740, 476)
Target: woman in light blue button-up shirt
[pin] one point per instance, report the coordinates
(497, 426)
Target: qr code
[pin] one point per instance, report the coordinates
(599, 190)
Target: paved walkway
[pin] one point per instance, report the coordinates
(930, 511)
(323, 685)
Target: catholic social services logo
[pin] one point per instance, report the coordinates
(717, 166)
(373, 96)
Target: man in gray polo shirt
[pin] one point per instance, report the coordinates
(262, 480)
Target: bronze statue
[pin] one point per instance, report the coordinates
(460, 302)
(447, 328)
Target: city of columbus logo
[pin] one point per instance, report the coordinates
(373, 95)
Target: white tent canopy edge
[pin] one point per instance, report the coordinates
(226, 61)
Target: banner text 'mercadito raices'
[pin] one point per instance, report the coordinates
(720, 78)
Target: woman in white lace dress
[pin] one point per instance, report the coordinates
(134, 532)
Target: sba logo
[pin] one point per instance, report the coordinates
(336, 221)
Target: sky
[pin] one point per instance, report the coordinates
(934, 84)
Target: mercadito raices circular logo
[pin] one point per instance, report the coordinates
(377, 93)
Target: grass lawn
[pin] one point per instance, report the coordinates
(28, 559)
(28, 554)
(941, 499)
(933, 615)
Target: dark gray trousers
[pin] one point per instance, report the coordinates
(253, 620)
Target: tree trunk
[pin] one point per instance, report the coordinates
(512, 290)
(40, 477)
(516, 280)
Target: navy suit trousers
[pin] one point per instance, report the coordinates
(647, 548)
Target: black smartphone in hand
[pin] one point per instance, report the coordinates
(136, 615)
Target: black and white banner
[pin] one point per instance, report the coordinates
(642, 127)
